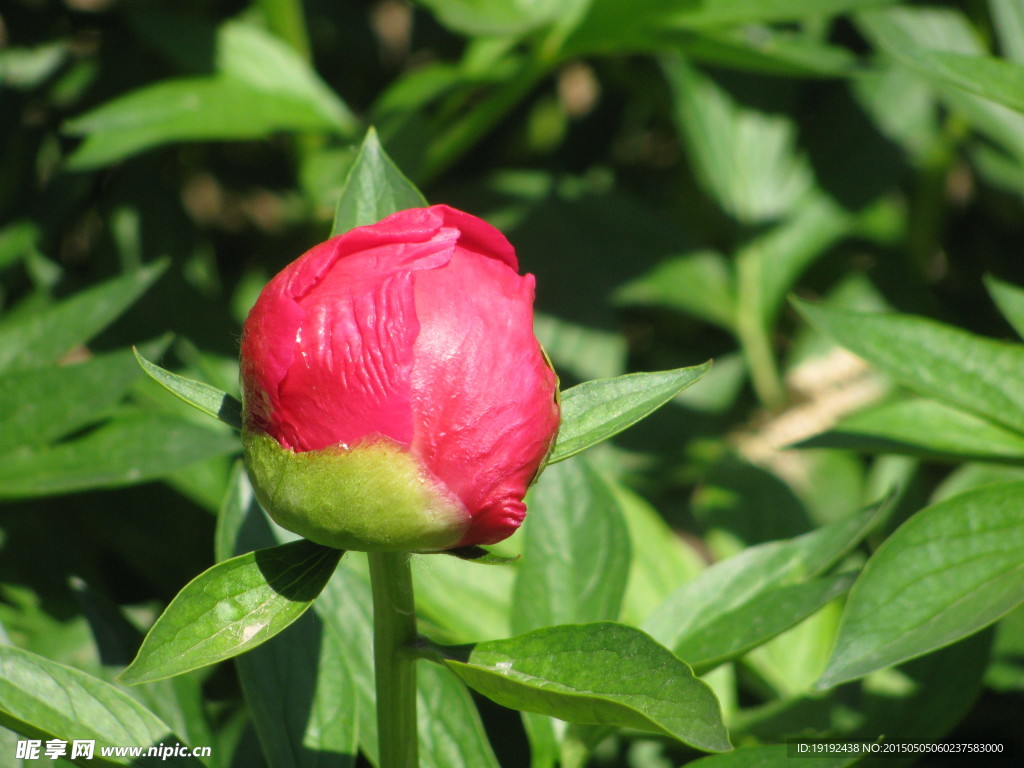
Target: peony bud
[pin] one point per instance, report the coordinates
(395, 396)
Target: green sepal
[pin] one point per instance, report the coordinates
(373, 497)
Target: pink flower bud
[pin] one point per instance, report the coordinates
(395, 395)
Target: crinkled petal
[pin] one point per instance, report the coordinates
(334, 334)
(483, 404)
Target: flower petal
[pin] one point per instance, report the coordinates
(483, 402)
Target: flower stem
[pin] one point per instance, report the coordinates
(394, 631)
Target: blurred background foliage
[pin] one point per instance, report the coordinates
(671, 170)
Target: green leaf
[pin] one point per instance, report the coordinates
(450, 731)
(662, 559)
(255, 56)
(497, 17)
(771, 756)
(44, 336)
(596, 410)
(375, 188)
(947, 572)
(970, 372)
(996, 79)
(766, 50)
(42, 699)
(299, 688)
(745, 158)
(923, 428)
(124, 451)
(178, 702)
(699, 284)
(1010, 300)
(261, 87)
(232, 607)
(585, 352)
(602, 673)
(39, 405)
(576, 552)
(736, 594)
(622, 25)
(755, 622)
(463, 601)
(204, 397)
(194, 109)
(302, 697)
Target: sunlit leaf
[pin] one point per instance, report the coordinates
(232, 607)
(947, 572)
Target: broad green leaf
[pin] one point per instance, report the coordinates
(194, 109)
(700, 284)
(755, 622)
(261, 87)
(621, 25)
(540, 732)
(42, 699)
(947, 572)
(128, 450)
(923, 428)
(746, 159)
(178, 701)
(771, 756)
(949, 30)
(346, 607)
(44, 336)
(233, 607)
(662, 561)
(255, 56)
(582, 351)
(603, 674)
(1010, 300)
(451, 733)
(302, 697)
(791, 663)
(996, 79)
(375, 188)
(926, 698)
(204, 397)
(39, 405)
(765, 50)
(970, 372)
(735, 589)
(463, 600)
(299, 687)
(596, 410)
(576, 552)
(969, 476)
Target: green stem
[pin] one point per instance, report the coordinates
(285, 19)
(753, 333)
(394, 632)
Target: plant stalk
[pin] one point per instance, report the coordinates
(753, 333)
(394, 632)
